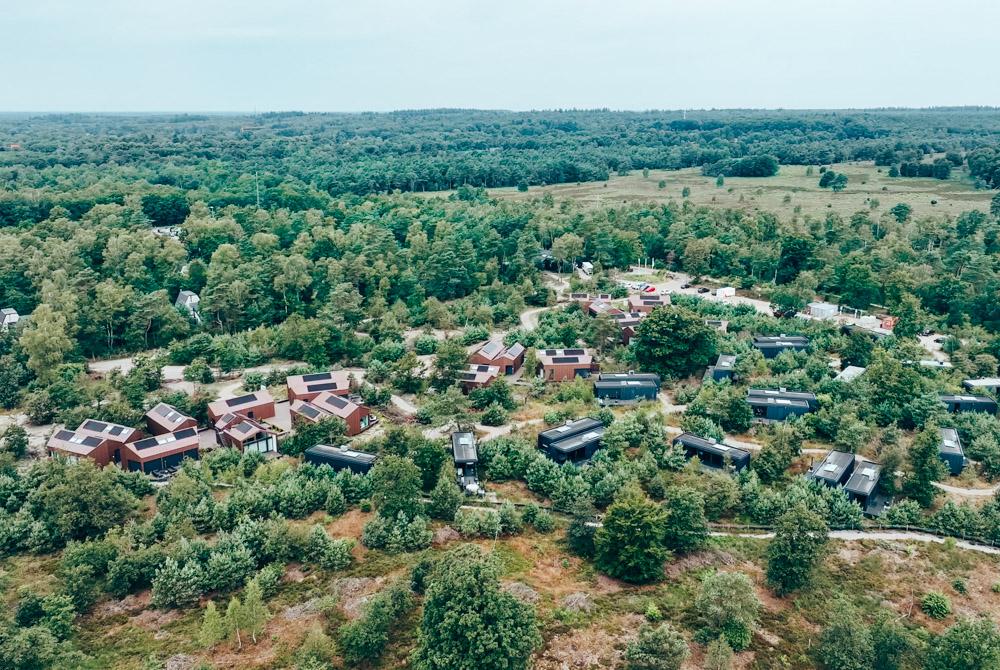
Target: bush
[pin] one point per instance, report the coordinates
(425, 345)
(544, 522)
(494, 415)
(935, 605)
(397, 535)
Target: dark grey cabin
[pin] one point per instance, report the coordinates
(613, 388)
(771, 346)
(858, 477)
(466, 457)
(969, 403)
(779, 404)
(723, 368)
(712, 453)
(574, 441)
(951, 452)
(340, 458)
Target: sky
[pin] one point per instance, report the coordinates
(377, 55)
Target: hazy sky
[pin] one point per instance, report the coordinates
(337, 55)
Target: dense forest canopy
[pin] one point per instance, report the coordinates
(302, 160)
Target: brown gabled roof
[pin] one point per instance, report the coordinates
(317, 382)
(108, 431)
(239, 403)
(335, 405)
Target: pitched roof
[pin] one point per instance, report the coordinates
(563, 356)
(167, 415)
(168, 443)
(335, 405)
(105, 430)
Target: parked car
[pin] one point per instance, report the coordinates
(664, 291)
(703, 289)
(650, 289)
(685, 285)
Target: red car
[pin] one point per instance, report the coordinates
(649, 289)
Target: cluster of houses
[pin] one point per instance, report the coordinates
(240, 423)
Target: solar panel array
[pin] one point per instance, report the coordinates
(327, 386)
(241, 400)
(317, 376)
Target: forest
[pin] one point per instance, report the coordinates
(319, 241)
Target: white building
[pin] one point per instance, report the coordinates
(189, 300)
(8, 317)
(725, 292)
(823, 310)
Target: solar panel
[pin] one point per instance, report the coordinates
(468, 376)
(316, 376)
(186, 433)
(328, 386)
(309, 411)
(336, 401)
(244, 427)
(242, 400)
(117, 430)
(95, 426)
(566, 359)
(64, 435)
(163, 410)
(146, 444)
(574, 352)
(91, 442)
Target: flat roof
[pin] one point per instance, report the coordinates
(982, 382)
(725, 362)
(463, 447)
(864, 478)
(709, 445)
(629, 376)
(850, 373)
(571, 428)
(950, 442)
(833, 466)
(342, 454)
(979, 399)
(574, 442)
(780, 340)
(782, 394)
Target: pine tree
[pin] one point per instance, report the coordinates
(213, 627)
(799, 541)
(925, 467)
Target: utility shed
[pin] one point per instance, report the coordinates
(969, 403)
(771, 346)
(951, 451)
(779, 404)
(850, 373)
(573, 441)
(340, 458)
(823, 310)
(466, 458)
(712, 453)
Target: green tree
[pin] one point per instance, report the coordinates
(396, 487)
(629, 544)
(446, 497)
(15, 440)
(686, 528)
(925, 467)
(718, 655)
(234, 623)
(839, 182)
(901, 211)
(657, 648)
(567, 248)
(469, 622)
(213, 627)
(728, 606)
(45, 341)
(970, 644)
(720, 181)
(846, 643)
(674, 342)
(254, 613)
(797, 548)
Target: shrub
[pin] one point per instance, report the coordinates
(935, 605)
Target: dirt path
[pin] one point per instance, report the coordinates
(884, 535)
(972, 493)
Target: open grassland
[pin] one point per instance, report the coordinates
(790, 191)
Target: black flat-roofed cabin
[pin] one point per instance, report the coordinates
(340, 458)
(574, 441)
(723, 368)
(771, 346)
(466, 458)
(779, 404)
(969, 403)
(951, 452)
(712, 453)
(615, 388)
(834, 470)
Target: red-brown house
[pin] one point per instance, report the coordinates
(647, 302)
(628, 323)
(357, 418)
(508, 359)
(160, 451)
(584, 299)
(258, 405)
(245, 434)
(163, 418)
(560, 365)
(478, 376)
(99, 441)
(307, 387)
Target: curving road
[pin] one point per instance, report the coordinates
(885, 535)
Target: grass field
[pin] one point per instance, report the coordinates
(866, 182)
